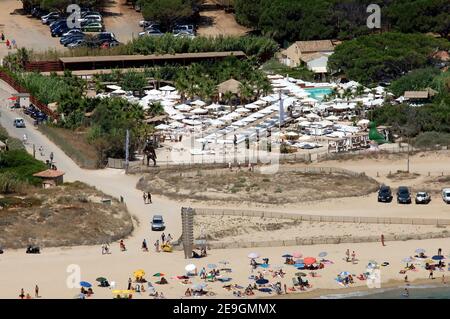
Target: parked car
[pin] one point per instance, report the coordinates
(72, 38)
(157, 223)
(77, 43)
(423, 198)
(19, 122)
(90, 13)
(446, 195)
(153, 26)
(91, 18)
(92, 27)
(105, 36)
(183, 27)
(72, 31)
(184, 34)
(60, 30)
(385, 194)
(51, 17)
(151, 32)
(403, 195)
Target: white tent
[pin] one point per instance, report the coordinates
(213, 106)
(162, 127)
(363, 122)
(153, 92)
(167, 88)
(304, 123)
(183, 108)
(176, 125)
(332, 118)
(199, 111)
(178, 117)
(312, 116)
(242, 110)
(198, 103)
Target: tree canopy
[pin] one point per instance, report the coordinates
(384, 57)
(287, 20)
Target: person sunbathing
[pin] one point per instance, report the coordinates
(188, 293)
(163, 281)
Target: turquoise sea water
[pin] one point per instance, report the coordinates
(415, 292)
(318, 93)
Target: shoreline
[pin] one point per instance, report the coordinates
(391, 284)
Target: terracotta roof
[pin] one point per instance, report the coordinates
(49, 173)
(311, 56)
(315, 46)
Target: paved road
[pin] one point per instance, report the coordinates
(110, 181)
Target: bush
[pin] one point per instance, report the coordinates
(20, 166)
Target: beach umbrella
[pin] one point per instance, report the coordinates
(212, 266)
(300, 274)
(139, 273)
(158, 274)
(85, 284)
(101, 279)
(420, 251)
(287, 256)
(199, 286)
(299, 266)
(253, 255)
(262, 281)
(265, 289)
(190, 267)
(13, 98)
(323, 254)
(309, 260)
(224, 279)
(297, 254)
(407, 259)
(264, 265)
(437, 257)
(344, 274)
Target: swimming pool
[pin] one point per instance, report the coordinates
(318, 93)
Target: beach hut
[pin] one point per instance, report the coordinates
(230, 85)
(50, 177)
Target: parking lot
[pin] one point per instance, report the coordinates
(31, 33)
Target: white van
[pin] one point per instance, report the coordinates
(446, 195)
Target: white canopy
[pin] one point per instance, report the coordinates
(312, 116)
(162, 127)
(167, 88)
(176, 125)
(178, 117)
(199, 111)
(242, 110)
(183, 107)
(198, 103)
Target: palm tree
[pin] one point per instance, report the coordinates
(227, 96)
(246, 92)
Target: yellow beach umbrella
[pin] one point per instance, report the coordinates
(139, 273)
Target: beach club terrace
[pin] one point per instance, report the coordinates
(136, 61)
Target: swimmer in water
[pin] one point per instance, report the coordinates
(406, 293)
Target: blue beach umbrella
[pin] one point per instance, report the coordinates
(299, 266)
(287, 256)
(262, 281)
(437, 257)
(344, 274)
(264, 265)
(420, 251)
(85, 284)
(212, 266)
(323, 254)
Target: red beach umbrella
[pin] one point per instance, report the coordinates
(309, 260)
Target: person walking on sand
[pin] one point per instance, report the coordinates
(129, 283)
(347, 255)
(14, 44)
(440, 252)
(3, 36)
(22, 294)
(8, 44)
(443, 279)
(382, 240)
(144, 245)
(163, 237)
(36, 291)
(430, 276)
(149, 196)
(353, 257)
(169, 238)
(144, 196)
(157, 246)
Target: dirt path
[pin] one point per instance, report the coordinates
(218, 22)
